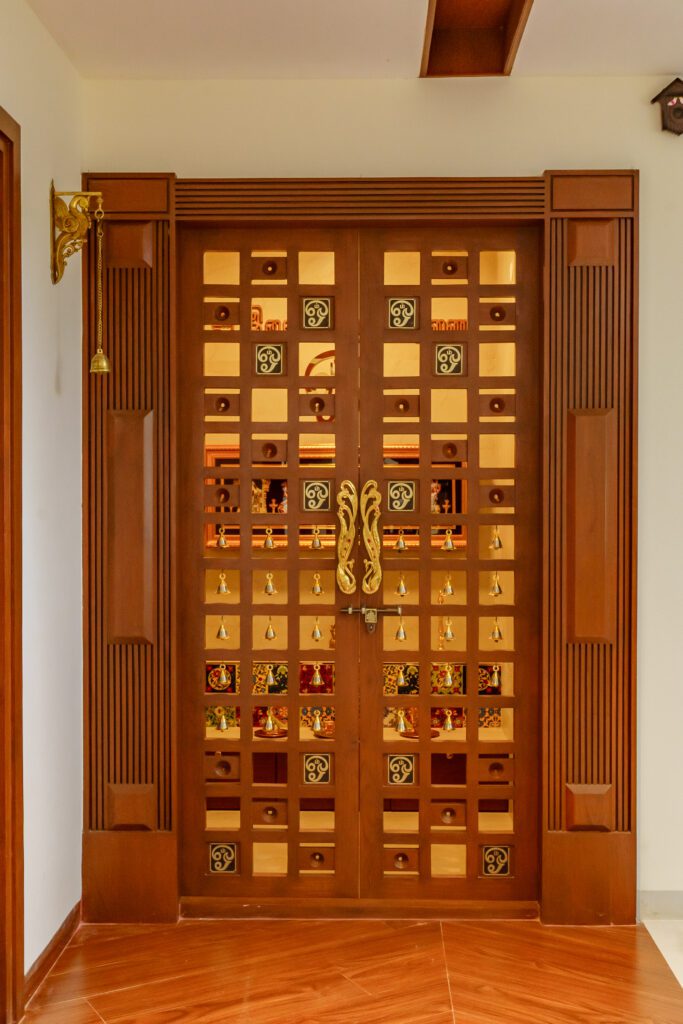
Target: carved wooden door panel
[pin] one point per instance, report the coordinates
(358, 432)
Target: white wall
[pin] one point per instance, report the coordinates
(40, 90)
(478, 127)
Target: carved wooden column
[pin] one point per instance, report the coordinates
(130, 856)
(589, 615)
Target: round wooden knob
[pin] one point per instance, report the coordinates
(221, 313)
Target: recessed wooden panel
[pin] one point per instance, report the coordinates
(129, 245)
(130, 526)
(592, 192)
(591, 524)
(132, 195)
(591, 243)
(590, 808)
(131, 807)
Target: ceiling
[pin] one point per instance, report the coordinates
(250, 39)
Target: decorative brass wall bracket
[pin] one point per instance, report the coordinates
(69, 226)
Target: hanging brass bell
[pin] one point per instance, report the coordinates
(316, 543)
(448, 544)
(222, 633)
(270, 678)
(269, 588)
(496, 633)
(222, 539)
(495, 676)
(317, 722)
(317, 679)
(448, 721)
(447, 589)
(269, 543)
(222, 587)
(496, 542)
(99, 363)
(400, 544)
(448, 633)
(400, 632)
(317, 632)
(401, 724)
(448, 681)
(270, 724)
(222, 723)
(316, 589)
(223, 675)
(401, 679)
(401, 589)
(496, 589)
(270, 632)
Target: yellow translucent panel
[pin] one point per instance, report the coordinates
(269, 858)
(497, 359)
(221, 268)
(496, 725)
(391, 624)
(506, 536)
(268, 313)
(400, 821)
(449, 405)
(221, 359)
(452, 309)
(443, 581)
(395, 581)
(439, 630)
(223, 819)
(496, 821)
(497, 579)
(498, 266)
(310, 626)
(231, 624)
(401, 268)
(448, 860)
(496, 450)
(316, 821)
(401, 449)
(269, 405)
(212, 582)
(221, 449)
(276, 628)
(317, 449)
(316, 268)
(316, 359)
(401, 359)
(269, 586)
(500, 626)
(307, 584)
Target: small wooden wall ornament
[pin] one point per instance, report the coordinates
(670, 100)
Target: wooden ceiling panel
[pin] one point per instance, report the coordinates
(472, 37)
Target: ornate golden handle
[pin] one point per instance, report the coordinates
(370, 499)
(347, 512)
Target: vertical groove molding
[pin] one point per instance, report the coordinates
(130, 858)
(590, 491)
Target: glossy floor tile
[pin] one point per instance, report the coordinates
(358, 972)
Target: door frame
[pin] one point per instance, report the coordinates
(11, 749)
(589, 461)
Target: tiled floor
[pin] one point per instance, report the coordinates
(358, 972)
(669, 937)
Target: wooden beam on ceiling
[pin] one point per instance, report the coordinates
(472, 37)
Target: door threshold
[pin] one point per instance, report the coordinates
(231, 907)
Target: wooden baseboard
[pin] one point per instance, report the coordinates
(38, 971)
(284, 907)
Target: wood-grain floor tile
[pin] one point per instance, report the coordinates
(78, 1012)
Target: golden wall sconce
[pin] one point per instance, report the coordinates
(69, 226)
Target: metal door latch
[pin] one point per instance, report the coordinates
(371, 615)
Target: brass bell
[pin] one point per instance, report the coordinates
(495, 676)
(223, 675)
(401, 679)
(222, 723)
(401, 724)
(317, 722)
(447, 589)
(270, 632)
(99, 363)
(270, 725)
(317, 679)
(222, 633)
(222, 539)
(496, 589)
(400, 632)
(448, 544)
(401, 589)
(496, 634)
(448, 681)
(317, 632)
(400, 544)
(270, 678)
(269, 543)
(448, 721)
(316, 543)
(448, 633)
(222, 587)
(269, 588)
(316, 589)
(496, 542)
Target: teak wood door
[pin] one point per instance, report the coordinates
(359, 537)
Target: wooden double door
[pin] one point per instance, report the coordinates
(359, 562)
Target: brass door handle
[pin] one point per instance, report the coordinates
(370, 500)
(347, 513)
